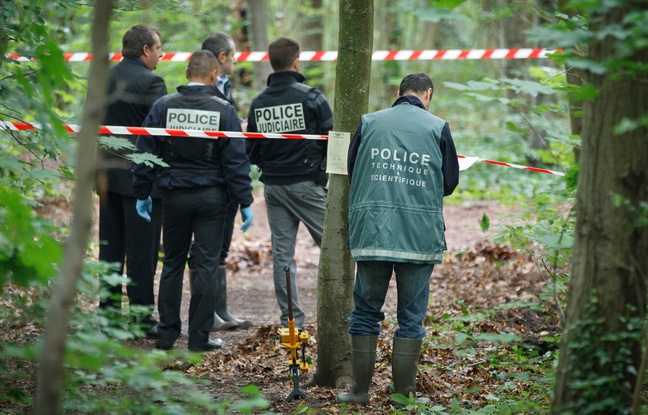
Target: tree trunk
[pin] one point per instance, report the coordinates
(336, 269)
(312, 29)
(259, 18)
(601, 348)
(50, 374)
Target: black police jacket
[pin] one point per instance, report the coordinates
(194, 162)
(289, 106)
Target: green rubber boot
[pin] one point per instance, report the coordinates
(363, 361)
(405, 358)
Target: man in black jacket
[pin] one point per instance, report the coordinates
(293, 171)
(123, 234)
(223, 47)
(200, 172)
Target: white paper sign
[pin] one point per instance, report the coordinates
(338, 150)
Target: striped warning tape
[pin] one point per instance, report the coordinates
(149, 131)
(324, 56)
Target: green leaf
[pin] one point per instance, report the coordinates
(484, 223)
(434, 14)
(117, 143)
(497, 337)
(147, 158)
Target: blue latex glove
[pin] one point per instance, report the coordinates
(246, 215)
(144, 207)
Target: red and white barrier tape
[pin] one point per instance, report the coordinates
(119, 130)
(327, 56)
(148, 131)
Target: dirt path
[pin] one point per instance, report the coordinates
(250, 287)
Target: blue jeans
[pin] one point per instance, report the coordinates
(370, 289)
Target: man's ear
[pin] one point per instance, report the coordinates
(221, 57)
(213, 75)
(295, 65)
(187, 73)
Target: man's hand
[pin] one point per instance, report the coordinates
(246, 215)
(144, 207)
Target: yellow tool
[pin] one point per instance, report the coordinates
(292, 340)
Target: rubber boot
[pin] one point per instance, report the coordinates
(405, 358)
(220, 301)
(219, 323)
(363, 360)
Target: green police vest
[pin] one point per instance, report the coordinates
(396, 199)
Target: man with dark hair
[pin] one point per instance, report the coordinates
(402, 162)
(223, 47)
(200, 172)
(123, 235)
(293, 171)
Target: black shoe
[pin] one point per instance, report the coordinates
(163, 345)
(210, 346)
(152, 333)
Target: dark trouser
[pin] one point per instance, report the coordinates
(124, 234)
(199, 212)
(228, 231)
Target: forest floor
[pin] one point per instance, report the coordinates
(477, 275)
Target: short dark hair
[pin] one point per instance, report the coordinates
(218, 42)
(201, 64)
(416, 82)
(283, 52)
(136, 37)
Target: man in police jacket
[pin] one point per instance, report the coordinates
(200, 171)
(123, 235)
(223, 47)
(402, 162)
(292, 171)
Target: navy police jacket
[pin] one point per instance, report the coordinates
(194, 162)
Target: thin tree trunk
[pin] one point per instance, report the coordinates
(336, 269)
(610, 261)
(50, 374)
(259, 39)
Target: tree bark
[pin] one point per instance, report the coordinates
(312, 29)
(259, 18)
(336, 269)
(610, 262)
(50, 374)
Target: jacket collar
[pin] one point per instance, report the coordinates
(409, 99)
(285, 78)
(197, 89)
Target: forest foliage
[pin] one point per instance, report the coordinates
(494, 109)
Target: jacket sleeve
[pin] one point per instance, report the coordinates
(156, 90)
(450, 168)
(353, 150)
(144, 175)
(254, 146)
(235, 161)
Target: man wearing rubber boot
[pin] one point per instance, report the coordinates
(402, 162)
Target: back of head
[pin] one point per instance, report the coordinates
(283, 52)
(218, 42)
(416, 83)
(201, 64)
(136, 37)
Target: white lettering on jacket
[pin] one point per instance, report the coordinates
(187, 119)
(388, 154)
(280, 118)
